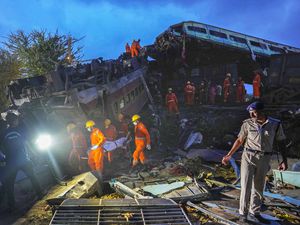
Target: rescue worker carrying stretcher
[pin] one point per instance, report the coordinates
(142, 140)
(96, 153)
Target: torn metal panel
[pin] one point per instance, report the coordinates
(82, 186)
(124, 211)
(188, 190)
(212, 214)
(288, 177)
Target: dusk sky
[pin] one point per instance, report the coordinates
(108, 25)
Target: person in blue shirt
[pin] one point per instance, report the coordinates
(16, 158)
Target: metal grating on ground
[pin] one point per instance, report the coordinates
(123, 211)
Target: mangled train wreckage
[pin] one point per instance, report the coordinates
(197, 51)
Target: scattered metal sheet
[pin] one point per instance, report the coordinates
(212, 214)
(81, 186)
(119, 211)
(190, 191)
(288, 177)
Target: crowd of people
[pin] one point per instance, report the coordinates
(208, 92)
(86, 154)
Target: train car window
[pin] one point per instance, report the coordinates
(127, 98)
(136, 91)
(132, 94)
(177, 29)
(141, 88)
(218, 34)
(238, 39)
(122, 103)
(116, 107)
(257, 44)
(197, 29)
(276, 49)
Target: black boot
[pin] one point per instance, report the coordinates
(257, 218)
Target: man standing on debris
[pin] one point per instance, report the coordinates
(16, 158)
(134, 50)
(110, 133)
(172, 102)
(127, 48)
(142, 140)
(257, 134)
(226, 87)
(79, 147)
(240, 91)
(256, 85)
(189, 93)
(95, 157)
(154, 130)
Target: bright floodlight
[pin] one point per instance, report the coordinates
(43, 141)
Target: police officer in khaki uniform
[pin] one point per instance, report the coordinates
(257, 134)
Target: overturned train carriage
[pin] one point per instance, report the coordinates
(76, 94)
(196, 51)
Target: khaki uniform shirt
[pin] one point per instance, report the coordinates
(261, 137)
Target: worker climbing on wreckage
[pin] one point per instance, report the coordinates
(257, 134)
(128, 49)
(172, 102)
(96, 153)
(142, 141)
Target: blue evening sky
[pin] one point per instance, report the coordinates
(108, 25)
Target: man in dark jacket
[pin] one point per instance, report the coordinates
(16, 158)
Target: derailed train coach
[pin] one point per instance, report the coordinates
(196, 51)
(77, 94)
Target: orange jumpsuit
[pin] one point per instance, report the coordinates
(111, 134)
(256, 86)
(127, 47)
(171, 102)
(138, 46)
(96, 156)
(134, 50)
(189, 92)
(240, 92)
(79, 147)
(142, 138)
(226, 89)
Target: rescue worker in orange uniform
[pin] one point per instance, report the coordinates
(142, 140)
(79, 147)
(256, 85)
(110, 134)
(127, 48)
(95, 157)
(240, 91)
(172, 102)
(138, 46)
(134, 50)
(226, 87)
(189, 92)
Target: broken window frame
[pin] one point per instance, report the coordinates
(197, 29)
(218, 34)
